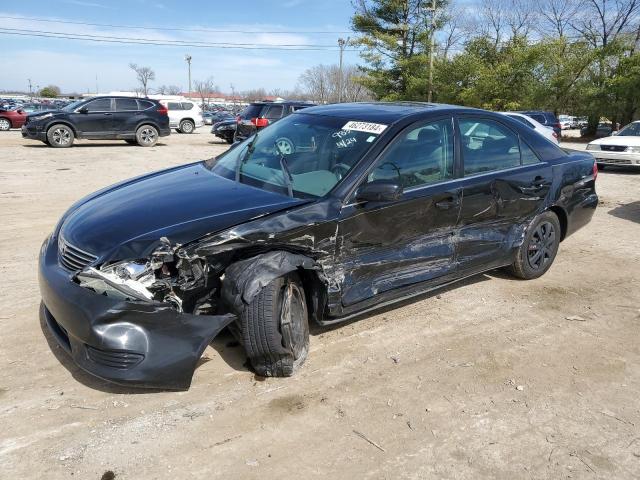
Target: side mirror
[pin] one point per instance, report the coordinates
(379, 191)
(83, 110)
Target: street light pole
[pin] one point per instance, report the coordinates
(187, 57)
(342, 43)
(432, 48)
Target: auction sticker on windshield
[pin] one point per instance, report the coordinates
(367, 127)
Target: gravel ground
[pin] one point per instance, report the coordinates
(494, 378)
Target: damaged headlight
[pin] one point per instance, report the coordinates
(127, 280)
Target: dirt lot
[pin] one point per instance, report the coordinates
(495, 378)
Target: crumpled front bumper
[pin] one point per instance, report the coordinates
(133, 343)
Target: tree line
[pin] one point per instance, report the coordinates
(569, 56)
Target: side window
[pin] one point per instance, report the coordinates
(126, 104)
(100, 105)
(522, 120)
(488, 146)
(143, 104)
(187, 106)
(174, 106)
(539, 118)
(528, 155)
(274, 112)
(421, 155)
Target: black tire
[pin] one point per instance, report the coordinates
(601, 166)
(229, 140)
(5, 124)
(277, 347)
(132, 142)
(60, 136)
(146, 136)
(539, 248)
(187, 126)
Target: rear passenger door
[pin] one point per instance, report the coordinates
(504, 185)
(125, 117)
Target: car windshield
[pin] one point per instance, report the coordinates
(631, 130)
(72, 106)
(309, 153)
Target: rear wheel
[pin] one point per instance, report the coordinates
(60, 136)
(187, 126)
(538, 251)
(146, 136)
(275, 328)
(5, 124)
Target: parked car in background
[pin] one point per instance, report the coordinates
(258, 115)
(135, 120)
(12, 118)
(603, 130)
(548, 119)
(376, 203)
(184, 116)
(579, 122)
(622, 148)
(225, 129)
(546, 132)
(38, 107)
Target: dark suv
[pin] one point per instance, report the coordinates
(548, 119)
(258, 115)
(135, 120)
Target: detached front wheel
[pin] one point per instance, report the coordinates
(538, 251)
(275, 328)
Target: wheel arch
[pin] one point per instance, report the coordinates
(151, 123)
(187, 118)
(563, 218)
(245, 278)
(65, 123)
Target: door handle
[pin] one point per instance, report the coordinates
(109, 114)
(447, 203)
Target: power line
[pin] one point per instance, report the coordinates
(177, 29)
(176, 43)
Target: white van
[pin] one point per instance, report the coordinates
(184, 115)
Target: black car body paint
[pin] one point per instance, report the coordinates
(224, 240)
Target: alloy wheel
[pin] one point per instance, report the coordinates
(61, 136)
(147, 135)
(293, 324)
(541, 245)
(4, 124)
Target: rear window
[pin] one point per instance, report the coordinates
(274, 112)
(522, 120)
(251, 111)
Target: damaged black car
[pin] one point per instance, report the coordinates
(325, 215)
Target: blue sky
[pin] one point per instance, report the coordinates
(73, 65)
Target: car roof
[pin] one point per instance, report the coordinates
(384, 112)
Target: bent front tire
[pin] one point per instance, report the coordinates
(275, 328)
(147, 136)
(60, 136)
(539, 248)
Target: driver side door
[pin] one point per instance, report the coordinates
(383, 246)
(97, 121)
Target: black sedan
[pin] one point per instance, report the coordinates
(329, 213)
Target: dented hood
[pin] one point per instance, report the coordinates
(181, 204)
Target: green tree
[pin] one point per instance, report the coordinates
(396, 37)
(50, 91)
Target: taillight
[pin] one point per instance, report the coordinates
(261, 122)
(162, 110)
(557, 125)
(238, 119)
(595, 170)
(555, 135)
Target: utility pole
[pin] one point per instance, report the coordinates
(187, 58)
(342, 43)
(432, 48)
(30, 94)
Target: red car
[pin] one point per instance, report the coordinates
(12, 118)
